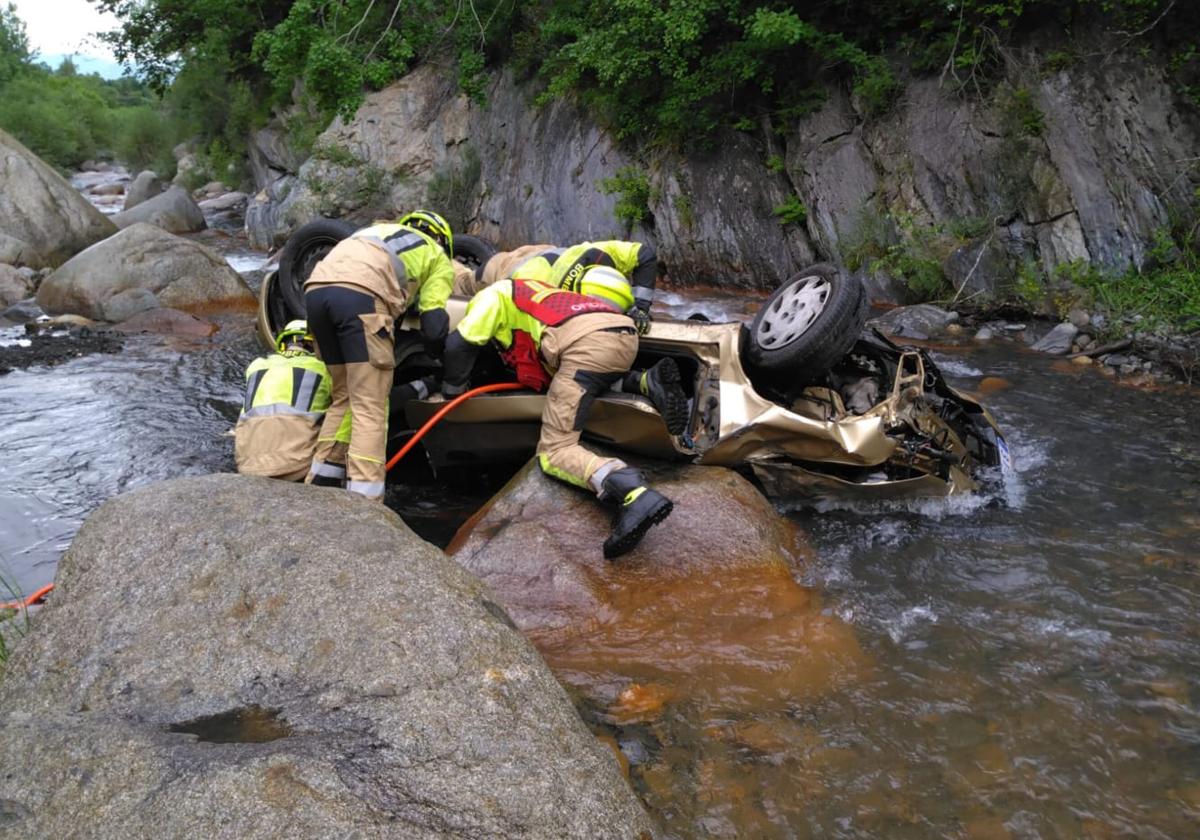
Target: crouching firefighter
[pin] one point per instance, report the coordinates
(589, 344)
(353, 298)
(636, 262)
(287, 395)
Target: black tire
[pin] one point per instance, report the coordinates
(472, 251)
(806, 325)
(301, 253)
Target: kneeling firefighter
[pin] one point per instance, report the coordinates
(353, 298)
(589, 344)
(287, 395)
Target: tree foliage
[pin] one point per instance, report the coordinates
(63, 116)
(653, 69)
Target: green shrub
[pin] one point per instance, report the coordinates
(776, 163)
(144, 140)
(632, 188)
(791, 212)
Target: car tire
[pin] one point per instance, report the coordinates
(806, 325)
(301, 253)
(472, 251)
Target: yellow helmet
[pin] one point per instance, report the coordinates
(432, 224)
(295, 332)
(608, 284)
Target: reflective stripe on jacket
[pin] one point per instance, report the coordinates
(635, 260)
(392, 262)
(287, 396)
(527, 306)
(417, 259)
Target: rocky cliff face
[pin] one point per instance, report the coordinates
(1083, 163)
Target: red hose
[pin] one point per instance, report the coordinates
(29, 601)
(446, 409)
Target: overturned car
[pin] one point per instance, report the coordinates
(804, 400)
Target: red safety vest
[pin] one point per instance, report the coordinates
(553, 306)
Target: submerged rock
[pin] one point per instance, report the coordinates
(219, 661)
(180, 273)
(174, 211)
(706, 606)
(167, 321)
(43, 219)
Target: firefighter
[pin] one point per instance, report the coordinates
(589, 344)
(636, 261)
(287, 395)
(353, 298)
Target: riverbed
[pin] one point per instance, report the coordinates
(1031, 657)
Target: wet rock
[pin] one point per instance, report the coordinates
(200, 712)
(210, 190)
(108, 189)
(984, 334)
(1079, 318)
(128, 303)
(224, 203)
(167, 321)
(923, 320)
(682, 611)
(1084, 341)
(174, 211)
(146, 185)
(22, 312)
(180, 273)
(1058, 340)
(1081, 361)
(1116, 360)
(43, 219)
(1014, 328)
(53, 347)
(14, 285)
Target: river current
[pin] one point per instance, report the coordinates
(1033, 657)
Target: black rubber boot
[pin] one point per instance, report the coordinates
(661, 384)
(638, 508)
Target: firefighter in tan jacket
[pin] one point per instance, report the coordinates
(589, 344)
(287, 395)
(353, 298)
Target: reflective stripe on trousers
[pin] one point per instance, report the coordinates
(370, 489)
(326, 470)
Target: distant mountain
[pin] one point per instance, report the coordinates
(106, 68)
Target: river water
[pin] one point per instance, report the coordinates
(1032, 659)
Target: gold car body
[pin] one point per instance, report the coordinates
(789, 449)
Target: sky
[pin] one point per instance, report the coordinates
(64, 27)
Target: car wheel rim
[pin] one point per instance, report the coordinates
(791, 314)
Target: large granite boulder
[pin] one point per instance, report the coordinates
(181, 274)
(43, 220)
(175, 211)
(145, 186)
(219, 662)
(706, 606)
